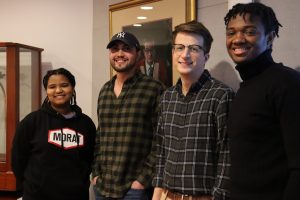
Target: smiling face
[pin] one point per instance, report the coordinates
(186, 62)
(59, 91)
(245, 39)
(122, 57)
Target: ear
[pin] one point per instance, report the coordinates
(270, 39)
(206, 57)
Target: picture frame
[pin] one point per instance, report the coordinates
(123, 15)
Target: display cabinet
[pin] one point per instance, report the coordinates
(20, 93)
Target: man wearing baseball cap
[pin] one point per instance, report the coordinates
(127, 115)
(126, 38)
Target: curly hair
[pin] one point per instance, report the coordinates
(265, 13)
(67, 74)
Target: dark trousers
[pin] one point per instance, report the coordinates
(132, 194)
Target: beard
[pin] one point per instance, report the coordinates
(126, 68)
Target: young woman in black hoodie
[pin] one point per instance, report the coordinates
(53, 147)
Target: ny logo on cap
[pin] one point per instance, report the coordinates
(121, 35)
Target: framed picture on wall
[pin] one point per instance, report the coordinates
(152, 21)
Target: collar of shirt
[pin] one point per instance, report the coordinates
(195, 86)
(131, 81)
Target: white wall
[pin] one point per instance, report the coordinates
(63, 28)
(287, 46)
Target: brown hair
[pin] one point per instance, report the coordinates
(196, 28)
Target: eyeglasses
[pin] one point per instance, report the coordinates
(149, 50)
(194, 48)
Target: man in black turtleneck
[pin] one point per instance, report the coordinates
(264, 122)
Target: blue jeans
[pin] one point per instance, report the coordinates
(132, 194)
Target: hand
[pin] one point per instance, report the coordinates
(157, 193)
(137, 185)
(94, 181)
(206, 198)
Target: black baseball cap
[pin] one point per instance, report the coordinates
(125, 37)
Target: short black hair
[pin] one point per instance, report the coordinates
(265, 13)
(67, 74)
(196, 28)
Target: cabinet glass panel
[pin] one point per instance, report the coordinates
(2, 104)
(25, 82)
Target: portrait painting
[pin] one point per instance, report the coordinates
(155, 38)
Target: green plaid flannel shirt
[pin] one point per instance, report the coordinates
(125, 134)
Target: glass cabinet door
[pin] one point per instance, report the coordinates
(2, 104)
(20, 94)
(28, 77)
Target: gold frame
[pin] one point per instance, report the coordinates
(190, 9)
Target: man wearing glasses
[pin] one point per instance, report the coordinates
(192, 144)
(152, 65)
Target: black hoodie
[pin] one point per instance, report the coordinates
(52, 155)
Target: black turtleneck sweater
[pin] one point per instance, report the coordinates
(264, 131)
